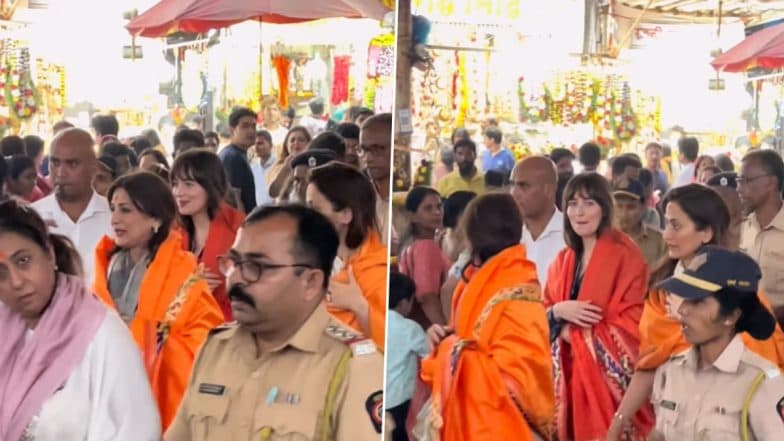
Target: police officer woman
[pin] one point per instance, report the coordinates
(719, 390)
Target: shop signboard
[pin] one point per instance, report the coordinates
(470, 11)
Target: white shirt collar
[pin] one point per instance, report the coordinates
(555, 225)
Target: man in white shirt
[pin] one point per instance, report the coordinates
(261, 165)
(74, 209)
(688, 152)
(375, 152)
(534, 184)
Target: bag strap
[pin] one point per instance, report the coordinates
(744, 413)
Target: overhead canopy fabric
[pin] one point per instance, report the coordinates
(763, 49)
(197, 16)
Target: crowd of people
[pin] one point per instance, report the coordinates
(584, 299)
(191, 291)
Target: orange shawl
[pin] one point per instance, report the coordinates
(492, 379)
(220, 238)
(661, 336)
(593, 372)
(369, 264)
(175, 312)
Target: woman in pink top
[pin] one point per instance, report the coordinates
(422, 259)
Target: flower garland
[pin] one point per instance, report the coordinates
(462, 113)
(537, 110)
(626, 123)
(22, 89)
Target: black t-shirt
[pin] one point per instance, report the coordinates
(235, 161)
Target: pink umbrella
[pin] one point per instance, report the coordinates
(763, 49)
(197, 16)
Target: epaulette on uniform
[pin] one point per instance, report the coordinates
(359, 344)
(223, 328)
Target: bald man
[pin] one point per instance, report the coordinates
(75, 210)
(375, 151)
(534, 184)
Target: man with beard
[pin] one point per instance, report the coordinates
(563, 159)
(760, 183)
(375, 152)
(286, 368)
(533, 188)
(75, 210)
(467, 177)
(242, 123)
(653, 158)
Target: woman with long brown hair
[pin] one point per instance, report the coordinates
(594, 295)
(200, 187)
(155, 285)
(357, 294)
(296, 142)
(695, 216)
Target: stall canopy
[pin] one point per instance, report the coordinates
(197, 16)
(763, 49)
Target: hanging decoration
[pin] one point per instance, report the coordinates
(282, 65)
(21, 87)
(533, 106)
(340, 79)
(380, 87)
(462, 111)
(626, 124)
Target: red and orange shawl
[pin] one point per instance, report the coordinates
(175, 312)
(492, 379)
(592, 374)
(220, 238)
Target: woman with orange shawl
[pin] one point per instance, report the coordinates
(358, 294)
(594, 295)
(155, 285)
(490, 370)
(199, 182)
(695, 215)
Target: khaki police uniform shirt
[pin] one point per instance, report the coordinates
(651, 244)
(281, 395)
(706, 405)
(766, 246)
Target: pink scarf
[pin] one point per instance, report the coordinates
(33, 369)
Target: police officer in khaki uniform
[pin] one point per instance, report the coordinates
(718, 390)
(286, 370)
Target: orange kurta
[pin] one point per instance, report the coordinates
(492, 379)
(175, 312)
(369, 265)
(220, 238)
(661, 336)
(593, 371)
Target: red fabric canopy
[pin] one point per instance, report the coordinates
(763, 49)
(197, 16)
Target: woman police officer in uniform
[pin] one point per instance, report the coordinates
(718, 390)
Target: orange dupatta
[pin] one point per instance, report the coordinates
(492, 379)
(369, 265)
(174, 314)
(220, 238)
(593, 372)
(661, 336)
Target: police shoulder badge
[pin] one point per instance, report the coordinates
(375, 409)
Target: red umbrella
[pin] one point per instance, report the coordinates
(763, 49)
(197, 16)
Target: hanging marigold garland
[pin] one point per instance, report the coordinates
(462, 113)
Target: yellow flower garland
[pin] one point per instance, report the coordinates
(462, 113)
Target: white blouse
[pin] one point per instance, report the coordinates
(107, 397)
